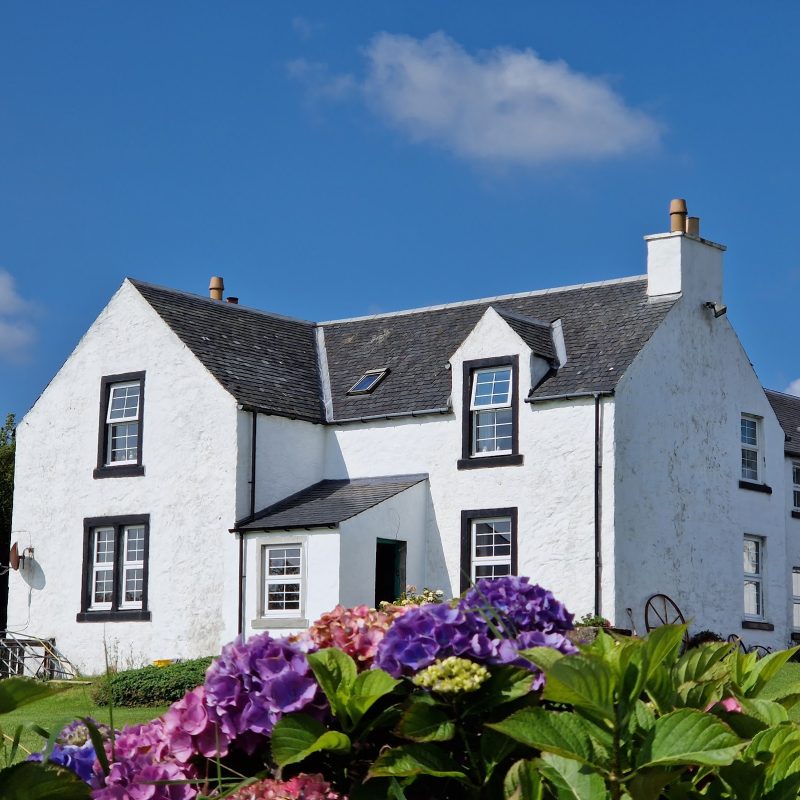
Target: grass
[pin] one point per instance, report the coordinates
(54, 712)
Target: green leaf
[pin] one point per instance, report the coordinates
(571, 780)
(18, 692)
(549, 731)
(583, 681)
(650, 783)
(296, 737)
(505, 685)
(368, 688)
(663, 645)
(766, 711)
(764, 670)
(495, 748)
(702, 664)
(416, 759)
(688, 736)
(33, 781)
(335, 672)
(543, 657)
(522, 782)
(425, 721)
(768, 742)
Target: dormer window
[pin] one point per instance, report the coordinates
(490, 413)
(368, 381)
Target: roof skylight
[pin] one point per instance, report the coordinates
(368, 381)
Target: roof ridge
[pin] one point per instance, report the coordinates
(219, 304)
(504, 312)
(480, 300)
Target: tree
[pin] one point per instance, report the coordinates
(7, 447)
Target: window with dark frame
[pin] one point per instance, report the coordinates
(119, 446)
(796, 485)
(488, 544)
(490, 410)
(114, 584)
(753, 577)
(751, 448)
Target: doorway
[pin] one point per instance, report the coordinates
(390, 570)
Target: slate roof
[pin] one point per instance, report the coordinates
(270, 362)
(605, 325)
(330, 502)
(536, 334)
(265, 361)
(787, 410)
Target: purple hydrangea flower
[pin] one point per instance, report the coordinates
(78, 758)
(253, 684)
(190, 729)
(491, 624)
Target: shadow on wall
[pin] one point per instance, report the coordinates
(436, 573)
(32, 573)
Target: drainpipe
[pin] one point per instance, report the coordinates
(598, 466)
(253, 440)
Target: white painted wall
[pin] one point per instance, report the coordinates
(680, 515)
(321, 554)
(553, 489)
(402, 518)
(189, 486)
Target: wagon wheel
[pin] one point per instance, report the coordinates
(760, 650)
(660, 609)
(736, 640)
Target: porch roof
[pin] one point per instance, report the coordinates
(329, 502)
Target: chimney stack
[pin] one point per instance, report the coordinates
(234, 301)
(216, 287)
(693, 226)
(677, 216)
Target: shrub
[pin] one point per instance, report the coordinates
(150, 686)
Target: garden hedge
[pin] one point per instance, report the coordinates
(150, 686)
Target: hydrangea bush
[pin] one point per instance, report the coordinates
(483, 698)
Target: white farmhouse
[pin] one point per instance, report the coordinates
(198, 469)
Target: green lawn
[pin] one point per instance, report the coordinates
(58, 710)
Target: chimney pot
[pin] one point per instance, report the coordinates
(693, 226)
(677, 215)
(216, 287)
(234, 301)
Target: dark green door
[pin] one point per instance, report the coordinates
(390, 570)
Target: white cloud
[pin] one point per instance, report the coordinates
(502, 105)
(305, 28)
(793, 388)
(319, 81)
(16, 333)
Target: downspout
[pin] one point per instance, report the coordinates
(598, 466)
(253, 440)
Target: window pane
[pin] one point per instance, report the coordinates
(492, 387)
(796, 615)
(124, 442)
(283, 597)
(797, 498)
(749, 464)
(491, 570)
(752, 557)
(124, 402)
(284, 561)
(749, 432)
(104, 546)
(796, 474)
(796, 582)
(134, 583)
(103, 586)
(493, 431)
(752, 598)
(134, 544)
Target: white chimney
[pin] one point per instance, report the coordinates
(683, 262)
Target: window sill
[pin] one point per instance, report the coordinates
(795, 514)
(270, 623)
(755, 625)
(478, 462)
(125, 615)
(122, 471)
(755, 487)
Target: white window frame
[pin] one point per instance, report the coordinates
(267, 579)
(757, 449)
(125, 420)
(131, 564)
(796, 485)
(795, 597)
(483, 561)
(757, 577)
(102, 566)
(476, 410)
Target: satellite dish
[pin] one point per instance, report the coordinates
(13, 557)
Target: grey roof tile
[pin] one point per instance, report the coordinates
(329, 502)
(265, 361)
(536, 334)
(605, 326)
(787, 410)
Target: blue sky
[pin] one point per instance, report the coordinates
(331, 160)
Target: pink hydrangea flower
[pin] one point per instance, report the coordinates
(357, 631)
(301, 787)
(190, 730)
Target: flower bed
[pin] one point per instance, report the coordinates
(482, 698)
